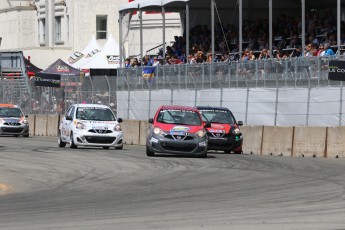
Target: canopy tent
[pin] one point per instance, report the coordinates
(31, 69)
(106, 59)
(78, 59)
(58, 74)
(62, 68)
(190, 8)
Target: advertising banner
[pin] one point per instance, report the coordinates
(336, 70)
(47, 79)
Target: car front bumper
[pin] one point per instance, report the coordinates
(114, 139)
(228, 143)
(161, 144)
(14, 129)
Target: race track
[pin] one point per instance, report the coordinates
(46, 187)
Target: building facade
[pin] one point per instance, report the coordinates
(47, 30)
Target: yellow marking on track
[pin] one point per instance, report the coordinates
(4, 188)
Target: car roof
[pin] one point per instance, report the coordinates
(178, 107)
(212, 108)
(8, 106)
(92, 105)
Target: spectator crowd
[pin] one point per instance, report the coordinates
(321, 35)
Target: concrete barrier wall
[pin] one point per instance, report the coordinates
(41, 125)
(144, 127)
(31, 120)
(309, 142)
(131, 129)
(53, 125)
(252, 139)
(259, 140)
(335, 142)
(277, 141)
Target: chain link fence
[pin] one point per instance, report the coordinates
(140, 93)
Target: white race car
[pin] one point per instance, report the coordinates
(90, 125)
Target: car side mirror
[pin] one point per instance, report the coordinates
(207, 125)
(151, 121)
(119, 120)
(240, 123)
(69, 118)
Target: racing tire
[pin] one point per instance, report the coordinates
(26, 135)
(72, 145)
(119, 147)
(227, 151)
(61, 143)
(105, 147)
(149, 153)
(16, 135)
(238, 152)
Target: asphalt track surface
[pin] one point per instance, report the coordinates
(46, 187)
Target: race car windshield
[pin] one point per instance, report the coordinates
(181, 117)
(95, 114)
(10, 112)
(217, 116)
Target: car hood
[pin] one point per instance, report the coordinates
(221, 128)
(99, 124)
(169, 128)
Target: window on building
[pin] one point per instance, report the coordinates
(101, 27)
(42, 31)
(58, 29)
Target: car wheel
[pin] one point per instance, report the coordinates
(71, 142)
(61, 143)
(16, 135)
(238, 152)
(149, 153)
(227, 151)
(119, 147)
(26, 135)
(105, 147)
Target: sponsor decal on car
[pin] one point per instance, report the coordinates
(179, 130)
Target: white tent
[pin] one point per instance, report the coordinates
(107, 58)
(91, 49)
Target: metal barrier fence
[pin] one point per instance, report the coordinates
(295, 72)
(269, 73)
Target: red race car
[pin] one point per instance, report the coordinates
(177, 130)
(224, 133)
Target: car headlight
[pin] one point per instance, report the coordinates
(157, 130)
(236, 131)
(118, 127)
(25, 121)
(80, 125)
(201, 133)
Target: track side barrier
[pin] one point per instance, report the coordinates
(53, 125)
(131, 131)
(277, 141)
(335, 142)
(31, 119)
(252, 139)
(309, 142)
(144, 127)
(41, 125)
(258, 140)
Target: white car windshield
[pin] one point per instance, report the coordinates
(10, 112)
(182, 117)
(95, 114)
